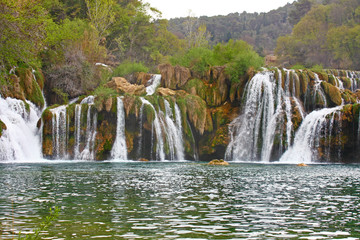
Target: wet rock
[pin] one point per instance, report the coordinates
(143, 160)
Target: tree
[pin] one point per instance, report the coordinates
(301, 8)
(101, 15)
(22, 32)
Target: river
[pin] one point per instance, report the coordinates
(184, 200)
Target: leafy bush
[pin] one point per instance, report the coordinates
(298, 66)
(238, 56)
(127, 68)
(317, 68)
(198, 59)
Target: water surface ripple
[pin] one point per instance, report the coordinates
(181, 201)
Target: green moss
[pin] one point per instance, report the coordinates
(332, 93)
(347, 82)
(63, 96)
(149, 113)
(332, 80)
(304, 81)
(322, 75)
(47, 115)
(196, 87)
(39, 78)
(348, 96)
(27, 106)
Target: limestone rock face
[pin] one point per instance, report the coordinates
(174, 77)
(139, 78)
(165, 92)
(121, 85)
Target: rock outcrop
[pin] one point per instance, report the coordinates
(121, 85)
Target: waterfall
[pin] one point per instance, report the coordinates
(315, 126)
(167, 126)
(119, 150)
(174, 132)
(267, 107)
(154, 83)
(20, 140)
(91, 123)
(59, 132)
(160, 154)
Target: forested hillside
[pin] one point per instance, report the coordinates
(328, 35)
(258, 29)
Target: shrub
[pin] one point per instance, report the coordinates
(128, 67)
(298, 67)
(199, 59)
(238, 56)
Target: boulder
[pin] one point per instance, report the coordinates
(218, 162)
(121, 85)
(165, 92)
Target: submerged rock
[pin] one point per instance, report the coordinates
(302, 165)
(143, 160)
(218, 162)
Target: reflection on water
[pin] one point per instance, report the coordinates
(181, 201)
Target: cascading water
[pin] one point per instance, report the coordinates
(60, 132)
(160, 154)
(316, 126)
(154, 83)
(20, 140)
(91, 123)
(267, 107)
(119, 150)
(169, 127)
(174, 132)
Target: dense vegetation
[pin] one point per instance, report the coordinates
(258, 29)
(329, 34)
(67, 38)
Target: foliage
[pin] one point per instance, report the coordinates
(128, 67)
(238, 56)
(101, 15)
(44, 225)
(297, 67)
(199, 59)
(22, 31)
(327, 35)
(258, 29)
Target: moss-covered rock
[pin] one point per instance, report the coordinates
(333, 94)
(347, 82)
(348, 97)
(105, 138)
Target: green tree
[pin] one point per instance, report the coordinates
(101, 15)
(22, 32)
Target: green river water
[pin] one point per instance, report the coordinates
(114, 200)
